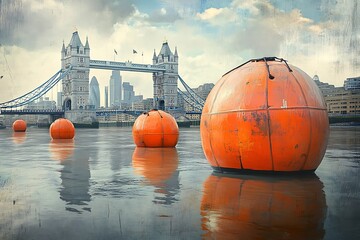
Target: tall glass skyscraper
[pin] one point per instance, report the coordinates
(128, 92)
(115, 89)
(94, 93)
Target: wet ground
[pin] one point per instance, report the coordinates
(100, 186)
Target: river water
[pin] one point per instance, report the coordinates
(100, 186)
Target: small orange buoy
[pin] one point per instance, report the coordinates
(155, 128)
(265, 115)
(19, 126)
(62, 129)
(261, 207)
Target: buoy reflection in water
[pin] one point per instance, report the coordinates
(159, 167)
(18, 137)
(263, 207)
(61, 149)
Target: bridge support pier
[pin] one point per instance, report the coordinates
(53, 117)
(82, 118)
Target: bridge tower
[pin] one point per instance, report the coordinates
(165, 83)
(75, 86)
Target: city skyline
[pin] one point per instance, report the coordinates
(211, 37)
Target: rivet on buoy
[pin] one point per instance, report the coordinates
(62, 128)
(265, 115)
(155, 128)
(19, 126)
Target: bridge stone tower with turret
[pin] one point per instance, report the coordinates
(166, 83)
(75, 86)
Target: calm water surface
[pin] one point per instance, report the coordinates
(100, 186)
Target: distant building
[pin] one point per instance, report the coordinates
(204, 90)
(42, 103)
(339, 100)
(115, 89)
(352, 83)
(106, 96)
(138, 98)
(94, 94)
(136, 106)
(148, 104)
(128, 93)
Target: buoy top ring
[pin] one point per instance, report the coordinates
(264, 59)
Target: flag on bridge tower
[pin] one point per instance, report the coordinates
(134, 51)
(115, 52)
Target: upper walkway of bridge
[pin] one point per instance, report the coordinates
(125, 66)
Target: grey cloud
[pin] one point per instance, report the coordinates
(11, 20)
(259, 38)
(23, 26)
(265, 9)
(171, 15)
(116, 10)
(345, 33)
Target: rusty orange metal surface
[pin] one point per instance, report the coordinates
(155, 128)
(265, 115)
(263, 207)
(62, 128)
(19, 126)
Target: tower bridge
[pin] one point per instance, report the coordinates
(74, 73)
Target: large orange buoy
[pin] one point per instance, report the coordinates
(263, 207)
(61, 149)
(265, 115)
(155, 128)
(62, 128)
(19, 126)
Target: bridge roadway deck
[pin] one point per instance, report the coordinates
(106, 112)
(31, 112)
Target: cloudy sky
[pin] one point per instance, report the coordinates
(320, 36)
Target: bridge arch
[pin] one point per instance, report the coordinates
(67, 104)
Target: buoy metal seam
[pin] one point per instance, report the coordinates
(162, 130)
(239, 150)
(309, 115)
(268, 113)
(210, 123)
(143, 123)
(260, 109)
